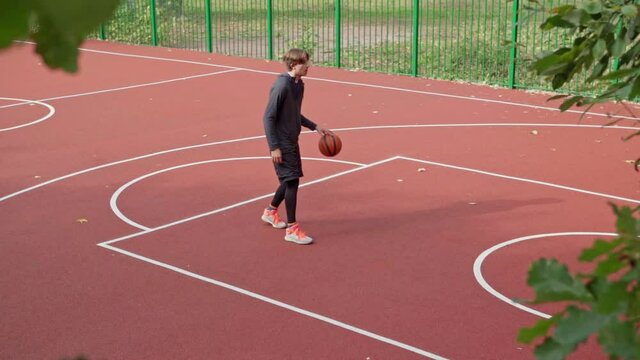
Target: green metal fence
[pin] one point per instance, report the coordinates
(484, 41)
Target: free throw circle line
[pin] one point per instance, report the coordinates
(114, 198)
(477, 266)
(52, 111)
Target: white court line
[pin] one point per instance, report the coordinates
(107, 245)
(195, 217)
(278, 304)
(477, 266)
(608, 196)
(124, 88)
(114, 198)
(432, 93)
(52, 111)
(383, 127)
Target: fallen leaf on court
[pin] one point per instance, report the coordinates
(399, 180)
(534, 132)
(82, 221)
(205, 135)
(630, 161)
(349, 95)
(422, 170)
(37, 177)
(473, 203)
(375, 111)
(553, 149)
(598, 141)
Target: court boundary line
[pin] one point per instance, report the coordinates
(432, 93)
(249, 138)
(128, 87)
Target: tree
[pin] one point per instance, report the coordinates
(605, 301)
(58, 27)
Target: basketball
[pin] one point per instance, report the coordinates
(330, 145)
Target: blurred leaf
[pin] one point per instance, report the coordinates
(619, 74)
(609, 265)
(599, 247)
(551, 350)
(592, 6)
(552, 282)
(540, 329)
(599, 48)
(577, 326)
(617, 48)
(570, 102)
(57, 26)
(14, 21)
(629, 11)
(620, 339)
(612, 297)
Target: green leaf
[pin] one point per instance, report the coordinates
(599, 48)
(577, 17)
(570, 102)
(609, 266)
(556, 97)
(626, 224)
(615, 75)
(552, 282)
(629, 11)
(550, 65)
(617, 48)
(599, 247)
(551, 350)
(612, 297)
(14, 21)
(559, 80)
(577, 326)
(635, 90)
(620, 339)
(527, 335)
(593, 7)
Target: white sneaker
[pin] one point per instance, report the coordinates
(272, 217)
(296, 235)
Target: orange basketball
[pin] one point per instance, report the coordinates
(330, 145)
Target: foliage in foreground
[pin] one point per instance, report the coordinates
(58, 27)
(605, 301)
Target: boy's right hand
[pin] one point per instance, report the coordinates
(276, 156)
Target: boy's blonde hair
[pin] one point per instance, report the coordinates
(294, 57)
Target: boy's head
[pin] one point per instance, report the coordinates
(295, 57)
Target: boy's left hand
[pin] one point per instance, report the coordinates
(323, 131)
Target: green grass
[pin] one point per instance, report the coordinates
(465, 40)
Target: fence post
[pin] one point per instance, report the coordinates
(616, 61)
(416, 38)
(514, 43)
(338, 33)
(154, 28)
(270, 29)
(102, 33)
(207, 4)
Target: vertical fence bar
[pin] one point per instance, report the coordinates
(338, 43)
(514, 44)
(102, 33)
(616, 61)
(416, 37)
(270, 29)
(154, 28)
(207, 4)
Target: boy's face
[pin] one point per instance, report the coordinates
(301, 69)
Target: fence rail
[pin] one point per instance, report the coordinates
(482, 41)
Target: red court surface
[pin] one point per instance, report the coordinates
(130, 196)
